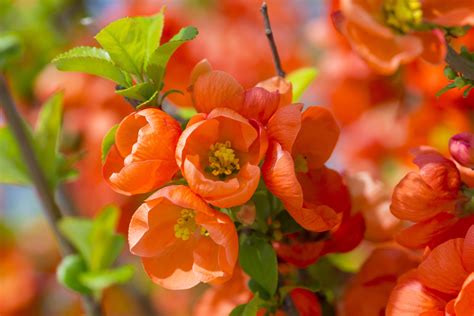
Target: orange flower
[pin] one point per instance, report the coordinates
(219, 155)
(373, 284)
(293, 169)
(384, 32)
(443, 284)
(182, 241)
(222, 299)
(142, 158)
(433, 199)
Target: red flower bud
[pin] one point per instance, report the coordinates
(461, 147)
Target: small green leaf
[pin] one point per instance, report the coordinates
(141, 92)
(259, 261)
(77, 231)
(301, 79)
(108, 141)
(106, 244)
(69, 273)
(131, 41)
(249, 309)
(159, 59)
(102, 279)
(10, 48)
(46, 138)
(91, 60)
(288, 224)
(13, 169)
(152, 101)
(238, 310)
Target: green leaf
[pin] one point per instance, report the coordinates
(152, 101)
(131, 41)
(108, 141)
(159, 59)
(69, 272)
(238, 310)
(186, 113)
(301, 79)
(102, 279)
(91, 60)
(10, 47)
(106, 244)
(141, 92)
(77, 231)
(288, 224)
(46, 137)
(13, 169)
(249, 309)
(259, 261)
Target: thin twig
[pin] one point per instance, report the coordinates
(271, 40)
(459, 63)
(50, 207)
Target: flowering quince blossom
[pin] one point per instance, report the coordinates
(435, 199)
(443, 284)
(142, 158)
(387, 33)
(181, 240)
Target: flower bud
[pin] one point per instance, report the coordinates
(246, 214)
(461, 147)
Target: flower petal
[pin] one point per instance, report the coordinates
(434, 46)
(260, 104)
(449, 13)
(283, 86)
(464, 304)
(468, 250)
(284, 125)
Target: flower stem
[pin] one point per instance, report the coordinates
(46, 195)
(271, 40)
(459, 63)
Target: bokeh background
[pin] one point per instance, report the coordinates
(382, 118)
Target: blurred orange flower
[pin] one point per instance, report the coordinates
(443, 284)
(293, 169)
(142, 158)
(219, 155)
(385, 32)
(433, 199)
(182, 241)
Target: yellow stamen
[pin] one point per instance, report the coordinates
(222, 160)
(186, 225)
(402, 15)
(301, 164)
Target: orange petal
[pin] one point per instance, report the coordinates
(464, 304)
(306, 302)
(347, 236)
(260, 104)
(283, 86)
(468, 250)
(449, 13)
(206, 260)
(434, 46)
(443, 270)
(383, 54)
(317, 218)
(410, 297)
(317, 137)
(217, 89)
(284, 125)
(172, 269)
(201, 68)
(280, 178)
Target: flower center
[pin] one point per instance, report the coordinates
(186, 225)
(222, 160)
(301, 164)
(402, 15)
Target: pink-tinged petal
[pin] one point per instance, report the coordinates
(284, 126)
(260, 104)
(464, 304)
(217, 89)
(317, 218)
(366, 13)
(449, 13)
(278, 171)
(201, 68)
(280, 85)
(434, 46)
(410, 297)
(443, 270)
(468, 250)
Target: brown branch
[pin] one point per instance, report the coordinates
(50, 207)
(271, 40)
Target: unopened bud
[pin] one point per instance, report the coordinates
(461, 147)
(246, 214)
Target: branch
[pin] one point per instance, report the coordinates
(271, 40)
(50, 207)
